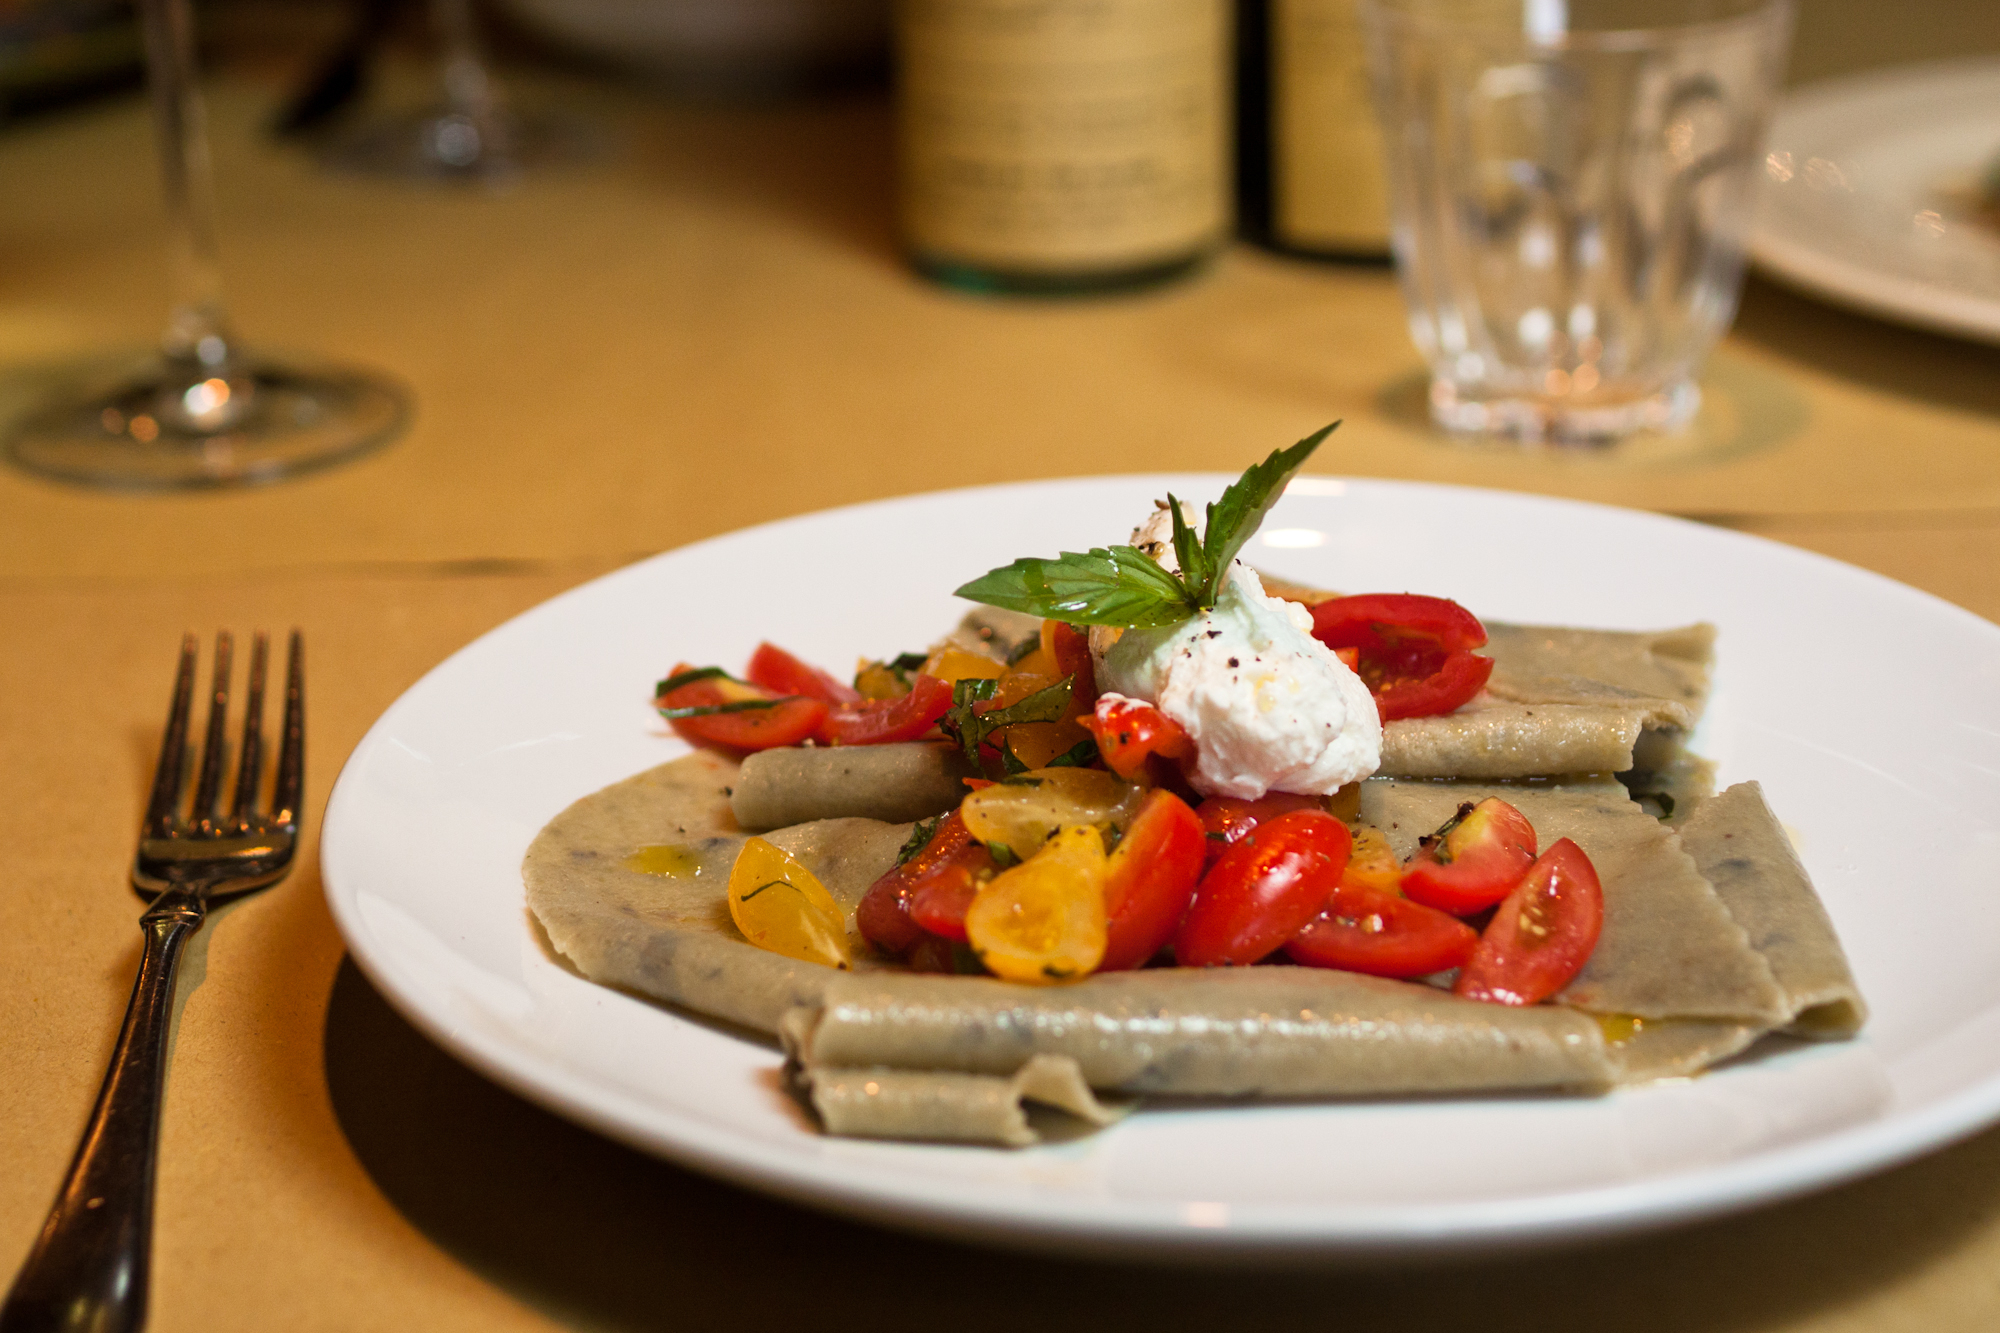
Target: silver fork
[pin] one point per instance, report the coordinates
(88, 1269)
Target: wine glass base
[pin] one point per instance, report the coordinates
(442, 145)
(164, 428)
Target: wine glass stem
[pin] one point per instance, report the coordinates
(197, 333)
(468, 88)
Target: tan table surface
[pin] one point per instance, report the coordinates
(707, 331)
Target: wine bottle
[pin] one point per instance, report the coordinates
(1055, 146)
(1310, 178)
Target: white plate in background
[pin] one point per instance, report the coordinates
(1867, 190)
(1870, 711)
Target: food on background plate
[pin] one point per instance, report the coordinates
(1146, 828)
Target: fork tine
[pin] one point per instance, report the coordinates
(250, 767)
(289, 789)
(210, 781)
(173, 745)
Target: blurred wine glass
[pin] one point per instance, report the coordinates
(470, 133)
(202, 410)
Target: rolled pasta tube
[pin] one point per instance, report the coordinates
(892, 783)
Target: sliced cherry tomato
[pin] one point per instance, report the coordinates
(781, 673)
(1448, 687)
(780, 905)
(933, 954)
(941, 897)
(1373, 864)
(1023, 812)
(1414, 652)
(1069, 648)
(1382, 934)
(1228, 818)
(1129, 731)
(1263, 890)
(1151, 880)
(880, 721)
(1042, 921)
(1541, 935)
(1473, 861)
(756, 718)
(887, 915)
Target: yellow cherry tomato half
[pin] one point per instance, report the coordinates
(780, 905)
(1373, 864)
(956, 664)
(1043, 921)
(1022, 812)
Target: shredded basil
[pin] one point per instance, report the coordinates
(675, 681)
(972, 727)
(920, 838)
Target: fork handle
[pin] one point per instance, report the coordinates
(88, 1270)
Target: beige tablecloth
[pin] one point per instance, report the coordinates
(711, 329)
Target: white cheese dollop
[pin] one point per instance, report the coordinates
(1269, 707)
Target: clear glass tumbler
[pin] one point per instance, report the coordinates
(1571, 184)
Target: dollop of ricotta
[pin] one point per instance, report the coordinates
(1269, 707)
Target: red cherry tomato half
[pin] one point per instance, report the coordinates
(880, 721)
(932, 954)
(1069, 647)
(1263, 890)
(1414, 652)
(943, 895)
(758, 726)
(1227, 818)
(887, 916)
(781, 673)
(1367, 930)
(1448, 686)
(1473, 861)
(1541, 935)
(1128, 731)
(1151, 880)
(1376, 620)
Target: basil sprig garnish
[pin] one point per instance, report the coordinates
(680, 678)
(1122, 586)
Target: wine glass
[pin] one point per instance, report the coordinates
(202, 410)
(472, 134)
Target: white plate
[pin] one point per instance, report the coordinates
(1870, 711)
(1867, 189)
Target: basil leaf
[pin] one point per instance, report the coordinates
(960, 722)
(1107, 585)
(1234, 518)
(920, 838)
(737, 706)
(1044, 705)
(972, 727)
(674, 682)
(907, 661)
(1195, 573)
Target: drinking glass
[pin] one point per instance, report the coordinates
(202, 410)
(1571, 184)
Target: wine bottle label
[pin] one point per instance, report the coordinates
(1327, 177)
(1063, 135)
